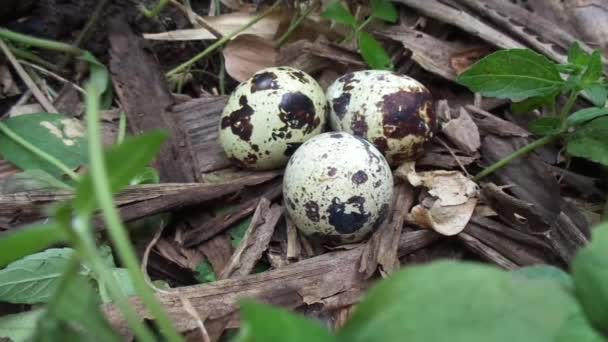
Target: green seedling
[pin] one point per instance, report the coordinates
(532, 81)
(371, 49)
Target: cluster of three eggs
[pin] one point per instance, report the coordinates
(336, 184)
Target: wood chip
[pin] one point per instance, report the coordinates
(255, 241)
(486, 252)
(492, 124)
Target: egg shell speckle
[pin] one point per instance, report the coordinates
(394, 112)
(338, 187)
(270, 115)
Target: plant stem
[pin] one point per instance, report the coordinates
(522, 151)
(114, 225)
(221, 42)
(355, 32)
(122, 128)
(296, 24)
(157, 9)
(38, 152)
(39, 42)
(28, 56)
(568, 107)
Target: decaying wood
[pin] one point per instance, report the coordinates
(492, 124)
(218, 251)
(200, 119)
(212, 227)
(381, 250)
(590, 18)
(141, 88)
(463, 20)
(294, 248)
(255, 241)
(486, 251)
(310, 281)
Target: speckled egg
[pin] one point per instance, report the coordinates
(337, 186)
(270, 115)
(394, 112)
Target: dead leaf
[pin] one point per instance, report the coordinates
(225, 24)
(247, 54)
(446, 220)
(463, 132)
(8, 86)
(462, 60)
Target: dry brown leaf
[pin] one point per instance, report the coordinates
(8, 86)
(462, 60)
(225, 24)
(247, 54)
(463, 132)
(444, 219)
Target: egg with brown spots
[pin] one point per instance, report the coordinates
(394, 112)
(337, 186)
(270, 115)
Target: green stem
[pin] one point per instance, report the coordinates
(87, 250)
(296, 24)
(568, 107)
(122, 128)
(115, 228)
(522, 151)
(221, 42)
(38, 152)
(355, 32)
(39, 42)
(28, 56)
(157, 9)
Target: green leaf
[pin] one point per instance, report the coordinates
(594, 69)
(34, 278)
(532, 103)
(123, 280)
(591, 141)
(578, 57)
(545, 126)
(598, 94)
(148, 175)
(31, 180)
(385, 10)
(99, 76)
(263, 323)
(546, 272)
(337, 12)
(74, 315)
(458, 301)
(590, 273)
(237, 233)
(124, 162)
(204, 273)
(584, 115)
(373, 53)
(20, 327)
(18, 243)
(59, 136)
(515, 74)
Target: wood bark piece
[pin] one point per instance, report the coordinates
(142, 90)
(200, 120)
(590, 18)
(463, 20)
(486, 251)
(255, 241)
(381, 250)
(492, 124)
(306, 282)
(212, 227)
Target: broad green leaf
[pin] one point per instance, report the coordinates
(238, 232)
(337, 12)
(515, 74)
(20, 327)
(148, 175)
(31, 180)
(546, 272)
(591, 141)
(464, 302)
(204, 273)
(263, 323)
(532, 103)
(584, 115)
(124, 162)
(590, 273)
(18, 243)
(594, 69)
(34, 278)
(123, 280)
(597, 94)
(385, 10)
(578, 57)
(57, 135)
(545, 126)
(373, 53)
(74, 314)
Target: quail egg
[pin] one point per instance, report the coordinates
(337, 186)
(270, 115)
(394, 112)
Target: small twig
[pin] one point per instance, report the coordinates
(52, 74)
(296, 24)
(24, 54)
(200, 20)
(220, 42)
(44, 102)
(444, 144)
(156, 10)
